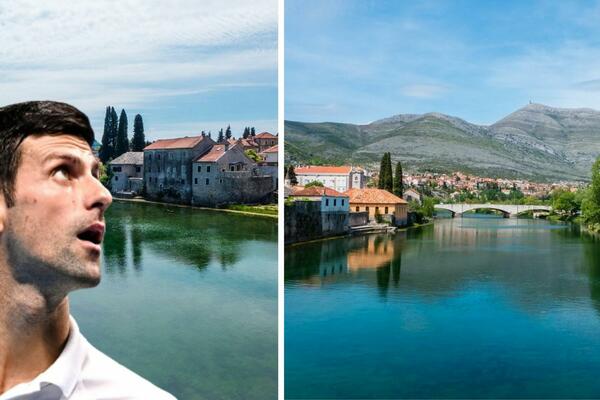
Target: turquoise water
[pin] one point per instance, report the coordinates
(188, 300)
(466, 308)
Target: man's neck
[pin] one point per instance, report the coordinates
(33, 333)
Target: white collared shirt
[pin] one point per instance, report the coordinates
(82, 372)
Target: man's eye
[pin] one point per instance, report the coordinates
(62, 173)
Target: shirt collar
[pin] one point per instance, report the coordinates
(66, 370)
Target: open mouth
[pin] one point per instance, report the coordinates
(93, 234)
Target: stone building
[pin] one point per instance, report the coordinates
(265, 140)
(337, 178)
(168, 167)
(269, 165)
(127, 173)
(380, 202)
(226, 175)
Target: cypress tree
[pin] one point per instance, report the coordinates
(246, 133)
(139, 139)
(122, 140)
(228, 132)
(380, 183)
(252, 132)
(220, 138)
(106, 149)
(114, 123)
(291, 175)
(389, 177)
(398, 184)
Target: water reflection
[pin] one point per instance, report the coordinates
(536, 261)
(186, 235)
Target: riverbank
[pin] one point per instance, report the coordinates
(357, 233)
(245, 210)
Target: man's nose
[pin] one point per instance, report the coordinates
(98, 196)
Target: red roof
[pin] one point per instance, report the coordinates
(266, 135)
(178, 143)
(315, 191)
(373, 196)
(272, 149)
(325, 170)
(214, 154)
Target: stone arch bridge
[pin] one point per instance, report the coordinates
(508, 210)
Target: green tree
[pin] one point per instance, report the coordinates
(122, 145)
(246, 133)
(107, 149)
(252, 155)
(565, 202)
(228, 132)
(252, 132)
(139, 139)
(590, 207)
(398, 184)
(291, 175)
(386, 180)
(314, 183)
(221, 137)
(427, 206)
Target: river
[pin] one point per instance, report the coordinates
(478, 307)
(188, 300)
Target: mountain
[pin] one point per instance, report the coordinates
(535, 142)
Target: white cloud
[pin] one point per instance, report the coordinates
(424, 91)
(133, 53)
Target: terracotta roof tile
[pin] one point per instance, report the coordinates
(327, 170)
(214, 154)
(373, 196)
(272, 149)
(178, 143)
(315, 191)
(266, 135)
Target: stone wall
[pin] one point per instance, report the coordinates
(358, 218)
(304, 220)
(239, 187)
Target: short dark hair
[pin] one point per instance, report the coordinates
(17, 121)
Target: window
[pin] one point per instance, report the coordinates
(208, 169)
(207, 181)
(116, 169)
(158, 156)
(220, 180)
(386, 210)
(326, 202)
(199, 168)
(334, 202)
(195, 181)
(149, 156)
(232, 168)
(159, 168)
(376, 210)
(116, 178)
(138, 169)
(367, 208)
(342, 202)
(183, 181)
(357, 208)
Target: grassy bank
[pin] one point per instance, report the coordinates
(267, 209)
(259, 211)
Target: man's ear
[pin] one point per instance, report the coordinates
(3, 211)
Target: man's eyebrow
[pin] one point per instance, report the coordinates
(63, 156)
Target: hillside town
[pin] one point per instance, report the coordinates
(334, 200)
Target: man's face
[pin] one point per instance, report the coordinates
(55, 228)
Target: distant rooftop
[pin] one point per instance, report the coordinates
(315, 191)
(266, 135)
(129, 158)
(373, 196)
(214, 154)
(325, 170)
(178, 143)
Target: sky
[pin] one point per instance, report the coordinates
(357, 61)
(184, 65)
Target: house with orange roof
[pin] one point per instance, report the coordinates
(265, 140)
(270, 164)
(168, 167)
(337, 178)
(331, 200)
(379, 202)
